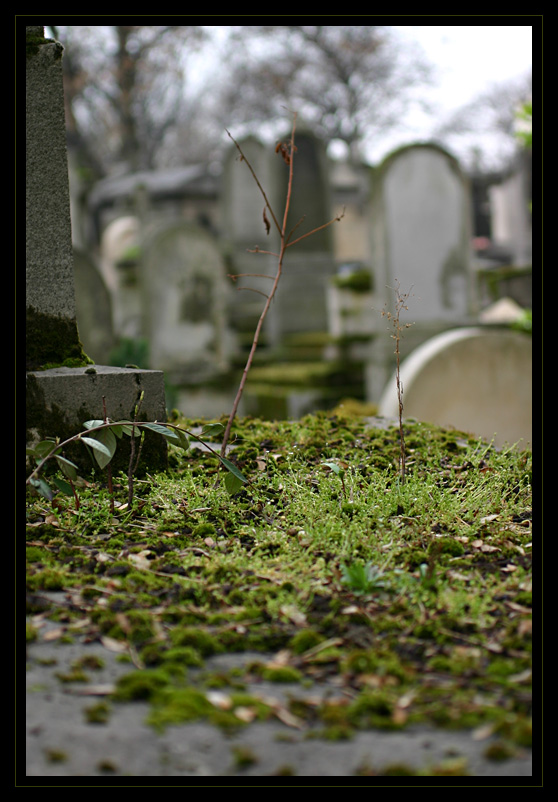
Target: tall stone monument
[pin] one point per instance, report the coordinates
(51, 330)
(64, 388)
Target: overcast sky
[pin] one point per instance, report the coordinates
(469, 60)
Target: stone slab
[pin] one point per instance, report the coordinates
(474, 379)
(60, 400)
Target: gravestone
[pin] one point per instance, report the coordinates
(511, 217)
(63, 388)
(184, 296)
(119, 262)
(93, 308)
(242, 206)
(51, 327)
(420, 234)
(300, 304)
(301, 301)
(474, 379)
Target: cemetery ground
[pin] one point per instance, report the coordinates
(320, 622)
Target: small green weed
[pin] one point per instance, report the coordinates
(363, 578)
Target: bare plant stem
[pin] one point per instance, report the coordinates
(288, 151)
(400, 303)
(131, 466)
(109, 468)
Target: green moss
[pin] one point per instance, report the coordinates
(243, 757)
(397, 770)
(53, 341)
(185, 655)
(304, 640)
(178, 706)
(357, 281)
(275, 581)
(499, 751)
(447, 545)
(34, 41)
(55, 755)
(205, 644)
(30, 632)
(282, 674)
(202, 530)
(141, 684)
(98, 713)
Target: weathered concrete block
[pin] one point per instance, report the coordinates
(60, 400)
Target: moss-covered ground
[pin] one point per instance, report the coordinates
(413, 599)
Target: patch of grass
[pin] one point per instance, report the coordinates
(419, 590)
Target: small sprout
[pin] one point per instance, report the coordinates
(363, 578)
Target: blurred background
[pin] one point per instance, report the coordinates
(147, 114)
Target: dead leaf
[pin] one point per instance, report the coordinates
(483, 732)
(54, 634)
(266, 222)
(123, 623)
(219, 699)
(525, 627)
(293, 614)
(246, 714)
(488, 518)
(105, 689)
(282, 658)
(399, 716)
(518, 608)
(523, 676)
(114, 645)
(140, 559)
(288, 718)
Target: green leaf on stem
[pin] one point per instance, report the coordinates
(232, 483)
(42, 449)
(64, 486)
(68, 468)
(102, 452)
(212, 429)
(230, 466)
(42, 487)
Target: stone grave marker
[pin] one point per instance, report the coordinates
(51, 327)
(184, 295)
(93, 308)
(301, 301)
(63, 388)
(475, 379)
(300, 304)
(420, 234)
(242, 206)
(119, 262)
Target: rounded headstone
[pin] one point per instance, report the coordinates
(473, 379)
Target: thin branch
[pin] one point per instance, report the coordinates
(251, 289)
(243, 158)
(257, 249)
(282, 249)
(292, 231)
(259, 275)
(314, 230)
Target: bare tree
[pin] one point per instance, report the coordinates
(349, 82)
(491, 115)
(125, 89)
